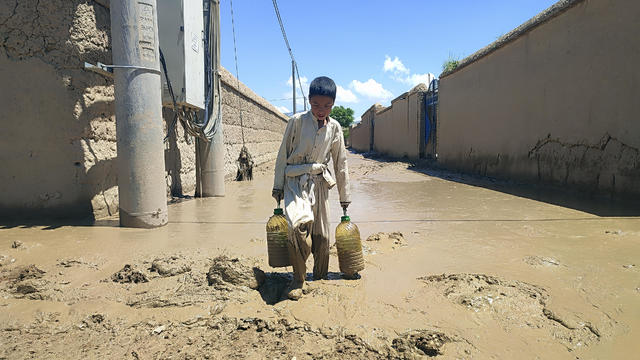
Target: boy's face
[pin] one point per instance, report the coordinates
(321, 106)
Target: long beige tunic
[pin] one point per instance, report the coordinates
(303, 174)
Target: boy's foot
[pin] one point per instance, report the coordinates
(295, 290)
(324, 276)
(353, 276)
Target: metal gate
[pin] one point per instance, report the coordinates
(430, 120)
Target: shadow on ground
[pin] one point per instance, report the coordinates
(274, 288)
(592, 203)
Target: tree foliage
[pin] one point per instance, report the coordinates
(344, 115)
(450, 64)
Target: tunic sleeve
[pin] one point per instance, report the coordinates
(283, 153)
(339, 156)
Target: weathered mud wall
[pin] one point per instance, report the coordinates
(262, 124)
(397, 130)
(555, 101)
(57, 128)
(362, 134)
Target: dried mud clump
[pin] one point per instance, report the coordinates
(129, 275)
(541, 261)
(170, 266)
(225, 271)
(515, 304)
(196, 338)
(419, 343)
(395, 239)
(26, 282)
(25, 272)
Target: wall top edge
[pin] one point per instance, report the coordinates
(546, 15)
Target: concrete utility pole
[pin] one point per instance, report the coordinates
(139, 128)
(210, 154)
(293, 82)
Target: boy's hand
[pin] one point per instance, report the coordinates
(344, 204)
(277, 194)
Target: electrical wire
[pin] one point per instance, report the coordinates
(286, 41)
(235, 53)
(187, 116)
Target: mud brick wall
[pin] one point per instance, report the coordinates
(262, 123)
(57, 126)
(360, 134)
(397, 130)
(555, 101)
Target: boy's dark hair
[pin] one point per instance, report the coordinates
(322, 86)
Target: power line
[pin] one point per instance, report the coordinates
(286, 41)
(235, 53)
(281, 99)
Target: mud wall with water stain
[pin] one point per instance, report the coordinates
(554, 101)
(57, 126)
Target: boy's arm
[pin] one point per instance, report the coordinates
(339, 156)
(281, 161)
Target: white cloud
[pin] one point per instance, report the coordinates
(402, 74)
(303, 80)
(283, 109)
(394, 65)
(371, 89)
(345, 95)
(415, 79)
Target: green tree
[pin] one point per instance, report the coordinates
(343, 115)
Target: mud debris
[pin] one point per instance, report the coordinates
(541, 261)
(17, 244)
(6, 260)
(419, 343)
(515, 304)
(24, 272)
(395, 237)
(129, 275)
(67, 263)
(170, 266)
(198, 338)
(225, 271)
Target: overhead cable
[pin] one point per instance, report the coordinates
(286, 41)
(235, 54)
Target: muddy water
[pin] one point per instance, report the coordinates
(475, 273)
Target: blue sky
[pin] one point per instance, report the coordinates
(374, 50)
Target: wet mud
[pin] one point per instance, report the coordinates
(453, 270)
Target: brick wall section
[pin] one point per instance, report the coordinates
(263, 125)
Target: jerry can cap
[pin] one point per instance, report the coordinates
(345, 218)
(278, 211)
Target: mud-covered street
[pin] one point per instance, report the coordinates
(457, 267)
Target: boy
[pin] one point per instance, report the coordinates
(303, 179)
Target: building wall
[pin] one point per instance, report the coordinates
(360, 134)
(57, 128)
(398, 129)
(557, 104)
(262, 123)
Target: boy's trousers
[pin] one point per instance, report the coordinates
(312, 237)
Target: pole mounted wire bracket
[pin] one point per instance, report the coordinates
(107, 70)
